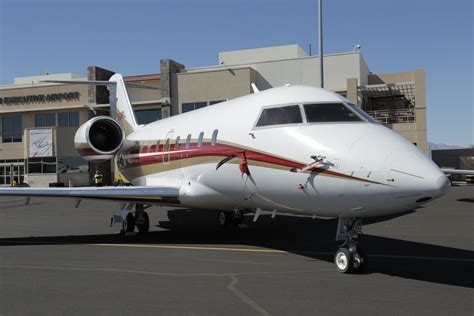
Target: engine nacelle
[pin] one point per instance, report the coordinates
(99, 138)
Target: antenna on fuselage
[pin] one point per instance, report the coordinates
(254, 88)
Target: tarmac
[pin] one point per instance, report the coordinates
(56, 259)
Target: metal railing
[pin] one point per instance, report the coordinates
(394, 116)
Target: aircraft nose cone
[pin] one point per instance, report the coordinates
(417, 176)
(442, 185)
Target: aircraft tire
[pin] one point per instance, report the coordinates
(129, 224)
(363, 261)
(224, 219)
(143, 223)
(344, 260)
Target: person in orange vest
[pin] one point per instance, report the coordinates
(98, 178)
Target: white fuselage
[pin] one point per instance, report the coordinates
(368, 170)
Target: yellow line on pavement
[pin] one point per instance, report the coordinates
(192, 248)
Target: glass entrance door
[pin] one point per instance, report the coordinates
(12, 170)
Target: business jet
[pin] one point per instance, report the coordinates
(291, 149)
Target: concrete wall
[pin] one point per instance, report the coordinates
(65, 142)
(300, 70)
(75, 179)
(43, 89)
(265, 54)
(41, 180)
(141, 95)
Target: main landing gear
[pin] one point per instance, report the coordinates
(229, 219)
(140, 219)
(349, 257)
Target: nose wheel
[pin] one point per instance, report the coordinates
(349, 257)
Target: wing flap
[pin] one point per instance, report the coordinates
(148, 194)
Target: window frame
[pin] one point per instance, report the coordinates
(12, 133)
(361, 118)
(303, 116)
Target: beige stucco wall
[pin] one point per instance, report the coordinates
(220, 84)
(42, 89)
(142, 95)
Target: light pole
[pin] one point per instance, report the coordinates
(321, 69)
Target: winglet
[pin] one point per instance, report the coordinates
(254, 88)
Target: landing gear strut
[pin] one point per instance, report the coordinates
(140, 220)
(349, 257)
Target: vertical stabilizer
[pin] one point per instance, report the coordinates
(120, 105)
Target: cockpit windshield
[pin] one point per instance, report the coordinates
(280, 115)
(329, 112)
(362, 113)
(314, 112)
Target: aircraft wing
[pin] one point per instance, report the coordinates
(457, 171)
(138, 194)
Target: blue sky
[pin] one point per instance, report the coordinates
(132, 36)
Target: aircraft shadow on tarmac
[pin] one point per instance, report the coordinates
(304, 236)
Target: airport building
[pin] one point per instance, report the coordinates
(38, 119)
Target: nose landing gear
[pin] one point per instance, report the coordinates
(349, 257)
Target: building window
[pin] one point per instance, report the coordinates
(42, 165)
(147, 116)
(214, 137)
(215, 102)
(12, 129)
(187, 107)
(45, 119)
(72, 165)
(68, 119)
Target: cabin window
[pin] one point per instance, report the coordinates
(149, 148)
(166, 147)
(214, 137)
(188, 141)
(329, 112)
(201, 136)
(280, 115)
(157, 149)
(176, 146)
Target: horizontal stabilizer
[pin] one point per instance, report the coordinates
(100, 83)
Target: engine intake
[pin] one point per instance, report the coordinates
(99, 138)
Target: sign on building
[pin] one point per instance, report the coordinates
(41, 142)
